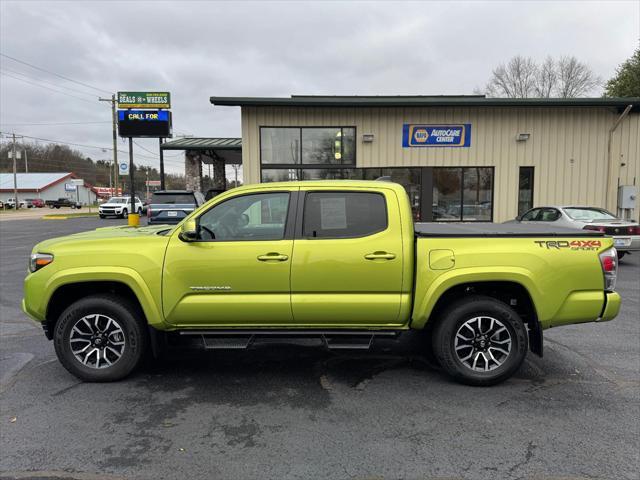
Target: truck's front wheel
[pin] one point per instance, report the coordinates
(100, 338)
(480, 341)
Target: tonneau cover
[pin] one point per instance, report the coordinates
(487, 229)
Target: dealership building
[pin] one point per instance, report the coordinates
(460, 158)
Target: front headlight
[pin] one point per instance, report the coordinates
(39, 260)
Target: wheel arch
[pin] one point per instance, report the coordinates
(510, 292)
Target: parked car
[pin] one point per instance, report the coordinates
(1, 204)
(213, 192)
(172, 206)
(119, 207)
(63, 202)
(334, 263)
(11, 203)
(36, 202)
(626, 234)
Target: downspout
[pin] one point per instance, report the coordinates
(610, 140)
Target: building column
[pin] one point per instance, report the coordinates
(193, 171)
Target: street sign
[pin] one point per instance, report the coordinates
(18, 154)
(77, 181)
(123, 167)
(153, 183)
(144, 100)
(144, 123)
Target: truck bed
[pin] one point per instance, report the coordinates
(487, 229)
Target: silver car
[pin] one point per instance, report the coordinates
(626, 234)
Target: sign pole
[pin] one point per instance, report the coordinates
(15, 181)
(133, 214)
(161, 165)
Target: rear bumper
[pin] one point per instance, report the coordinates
(611, 306)
(633, 246)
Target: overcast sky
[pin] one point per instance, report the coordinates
(199, 49)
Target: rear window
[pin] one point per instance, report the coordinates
(589, 214)
(344, 214)
(172, 198)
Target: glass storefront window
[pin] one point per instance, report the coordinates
(447, 188)
(279, 175)
(525, 190)
(462, 194)
(321, 145)
(330, 174)
(279, 145)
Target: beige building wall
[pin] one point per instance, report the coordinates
(567, 146)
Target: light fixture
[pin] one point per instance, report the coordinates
(522, 137)
(367, 137)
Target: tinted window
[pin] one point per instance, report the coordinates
(530, 215)
(172, 198)
(549, 215)
(343, 214)
(249, 217)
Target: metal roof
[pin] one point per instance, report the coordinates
(422, 101)
(203, 144)
(31, 181)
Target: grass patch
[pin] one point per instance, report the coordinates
(64, 216)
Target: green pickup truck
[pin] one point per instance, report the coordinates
(333, 263)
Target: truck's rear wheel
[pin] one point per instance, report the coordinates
(480, 341)
(100, 338)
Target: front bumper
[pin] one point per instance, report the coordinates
(611, 306)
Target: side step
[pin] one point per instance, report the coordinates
(331, 339)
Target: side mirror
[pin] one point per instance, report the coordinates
(189, 231)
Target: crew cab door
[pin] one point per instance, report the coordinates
(237, 272)
(347, 259)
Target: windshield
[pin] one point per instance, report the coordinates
(172, 198)
(588, 214)
(117, 200)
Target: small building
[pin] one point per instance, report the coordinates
(460, 158)
(47, 186)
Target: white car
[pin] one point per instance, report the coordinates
(119, 207)
(625, 233)
(11, 203)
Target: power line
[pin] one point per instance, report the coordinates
(56, 74)
(54, 123)
(47, 88)
(39, 80)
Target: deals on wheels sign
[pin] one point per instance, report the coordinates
(144, 100)
(123, 167)
(415, 135)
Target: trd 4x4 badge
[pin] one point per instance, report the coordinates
(573, 245)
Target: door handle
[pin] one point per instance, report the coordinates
(273, 256)
(380, 256)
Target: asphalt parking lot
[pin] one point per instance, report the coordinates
(293, 413)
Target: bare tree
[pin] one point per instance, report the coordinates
(575, 78)
(522, 77)
(546, 78)
(516, 79)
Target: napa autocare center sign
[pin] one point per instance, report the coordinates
(432, 135)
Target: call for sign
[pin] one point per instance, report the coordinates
(436, 135)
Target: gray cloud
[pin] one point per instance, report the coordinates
(198, 49)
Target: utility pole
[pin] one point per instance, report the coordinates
(15, 176)
(26, 163)
(235, 169)
(114, 127)
(161, 165)
(147, 182)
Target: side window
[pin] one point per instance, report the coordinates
(530, 215)
(249, 217)
(343, 214)
(549, 215)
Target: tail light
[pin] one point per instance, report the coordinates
(609, 263)
(597, 228)
(633, 230)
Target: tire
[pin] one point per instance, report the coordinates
(124, 214)
(58, 207)
(101, 216)
(127, 337)
(621, 255)
(487, 349)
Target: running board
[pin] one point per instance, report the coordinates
(331, 339)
